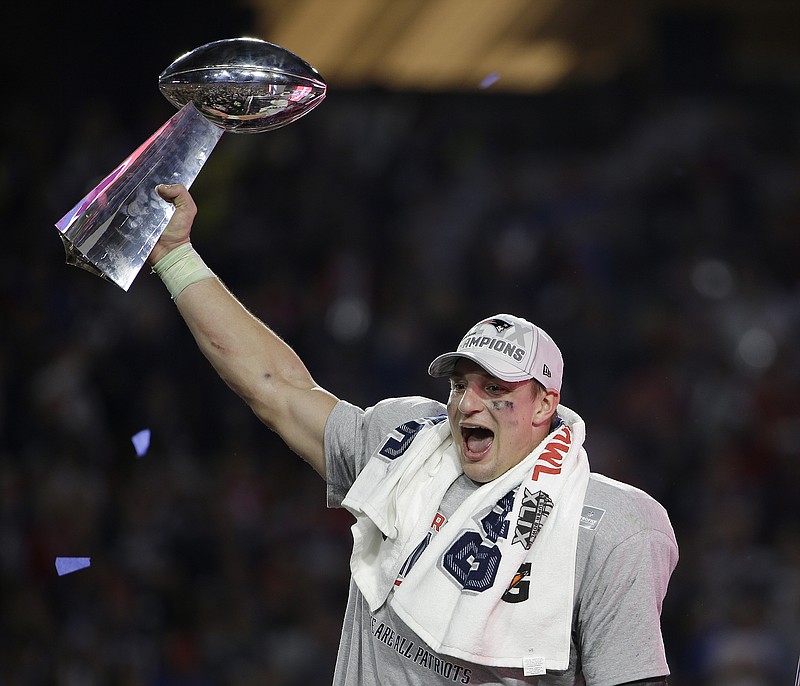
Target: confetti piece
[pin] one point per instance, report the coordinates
(141, 441)
(490, 79)
(67, 565)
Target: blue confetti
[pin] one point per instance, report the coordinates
(141, 441)
(67, 565)
(490, 79)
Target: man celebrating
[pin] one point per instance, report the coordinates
(484, 550)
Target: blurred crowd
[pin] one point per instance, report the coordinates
(656, 236)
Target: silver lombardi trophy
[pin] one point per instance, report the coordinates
(243, 85)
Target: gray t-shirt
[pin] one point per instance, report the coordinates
(626, 553)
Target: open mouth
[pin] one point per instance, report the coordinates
(477, 441)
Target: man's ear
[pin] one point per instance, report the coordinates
(548, 404)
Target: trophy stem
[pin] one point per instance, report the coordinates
(113, 229)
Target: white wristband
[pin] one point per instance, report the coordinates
(180, 268)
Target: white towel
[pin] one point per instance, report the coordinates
(453, 599)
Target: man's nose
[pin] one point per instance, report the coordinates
(470, 401)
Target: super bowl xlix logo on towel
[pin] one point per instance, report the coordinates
(532, 512)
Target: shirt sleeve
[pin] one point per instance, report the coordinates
(619, 627)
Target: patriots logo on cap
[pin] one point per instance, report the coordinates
(499, 324)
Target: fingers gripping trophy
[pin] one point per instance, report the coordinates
(242, 85)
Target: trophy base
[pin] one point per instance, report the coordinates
(76, 259)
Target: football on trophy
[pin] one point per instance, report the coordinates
(244, 85)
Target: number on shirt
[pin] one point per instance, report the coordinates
(394, 447)
(474, 558)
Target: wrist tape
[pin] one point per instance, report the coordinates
(180, 268)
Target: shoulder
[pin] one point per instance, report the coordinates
(615, 512)
(352, 435)
(628, 505)
(392, 413)
(405, 408)
(373, 424)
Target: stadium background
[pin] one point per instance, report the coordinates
(646, 214)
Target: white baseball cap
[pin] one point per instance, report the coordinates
(510, 348)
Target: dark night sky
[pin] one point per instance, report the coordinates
(114, 48)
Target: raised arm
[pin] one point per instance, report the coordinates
(252, 359)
